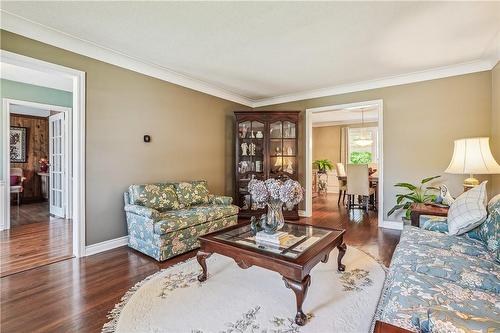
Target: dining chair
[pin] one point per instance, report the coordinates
(358, 184)
(16, 182)
(342, 183)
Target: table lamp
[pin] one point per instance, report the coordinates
(472, 156)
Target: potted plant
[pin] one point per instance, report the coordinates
(417, 194)
(323, 165)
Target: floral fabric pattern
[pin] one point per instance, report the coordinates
(434, 271)
(184, 218)
(434, 223)
(163, 233)
(220, 200)
(356, 279)
(192, 193)
(161, 197)
(146, 212)
(489, 231)
(163, 247)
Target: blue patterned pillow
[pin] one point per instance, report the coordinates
(489, 231)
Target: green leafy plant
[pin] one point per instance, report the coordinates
(323, 165)
(418, 194)
(360, 157)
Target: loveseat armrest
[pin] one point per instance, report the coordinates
(146, 212)
(220, 200)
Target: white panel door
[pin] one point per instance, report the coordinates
(57, 142)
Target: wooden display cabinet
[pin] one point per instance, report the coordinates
(265, 147)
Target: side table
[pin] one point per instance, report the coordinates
(418, 209)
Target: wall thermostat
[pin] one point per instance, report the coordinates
(147, 138)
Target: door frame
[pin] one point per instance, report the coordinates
(379, 104)
(76, 123)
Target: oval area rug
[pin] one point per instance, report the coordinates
(251, 300)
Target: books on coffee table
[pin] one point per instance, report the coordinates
(276, 238)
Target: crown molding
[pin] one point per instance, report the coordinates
(431, 74)
(22, 26)
(42, 33)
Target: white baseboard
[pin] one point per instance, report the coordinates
(391, 225)
(106, 245)
(302, 213)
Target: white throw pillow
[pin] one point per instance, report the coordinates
(468, 210)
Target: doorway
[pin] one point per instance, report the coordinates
(335, 133)
(43, 159)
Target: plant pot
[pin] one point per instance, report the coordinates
(406, 221)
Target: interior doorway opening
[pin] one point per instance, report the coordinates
(339, 138)
(42, 167)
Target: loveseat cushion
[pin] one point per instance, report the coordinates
(443, 320)
(184, 218)
(411, 294)
(192, 193)
(458, 244)
(473, 272)
(161, 197)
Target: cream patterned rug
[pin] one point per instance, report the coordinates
(253, 300)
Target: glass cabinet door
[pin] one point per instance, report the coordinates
(250, 159)
(282, 149)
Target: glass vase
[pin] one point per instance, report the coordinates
(275, 214)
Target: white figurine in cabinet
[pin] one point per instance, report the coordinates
(251, 149)
(244, 149)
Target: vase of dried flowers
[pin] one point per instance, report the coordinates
(274, 194)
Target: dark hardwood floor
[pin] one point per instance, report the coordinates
(34, 239)
(30, 213)
(75, 295)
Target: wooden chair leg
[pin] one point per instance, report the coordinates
(338, 201)
(343, 198)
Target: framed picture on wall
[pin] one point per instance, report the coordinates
(18, 144)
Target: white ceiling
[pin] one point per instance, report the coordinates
(28, 110)
(261, 50)
(30, 76)
(344, 116)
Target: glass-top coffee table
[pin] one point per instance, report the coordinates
(303, 248)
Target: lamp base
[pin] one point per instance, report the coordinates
(470, 183)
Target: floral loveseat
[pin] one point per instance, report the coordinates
(443, 283)
(165, 219)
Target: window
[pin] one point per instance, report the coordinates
(359, 153)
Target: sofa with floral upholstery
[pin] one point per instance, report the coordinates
(165, 219)
(443, 283)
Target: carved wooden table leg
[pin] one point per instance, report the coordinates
(325, 259)
(201, 257)
(342, 248)
(300, 290)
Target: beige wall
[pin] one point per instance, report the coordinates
(420, 122)
(192, 134)
(326, 143)
(495, 122)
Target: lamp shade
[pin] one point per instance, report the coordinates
(473, 156)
